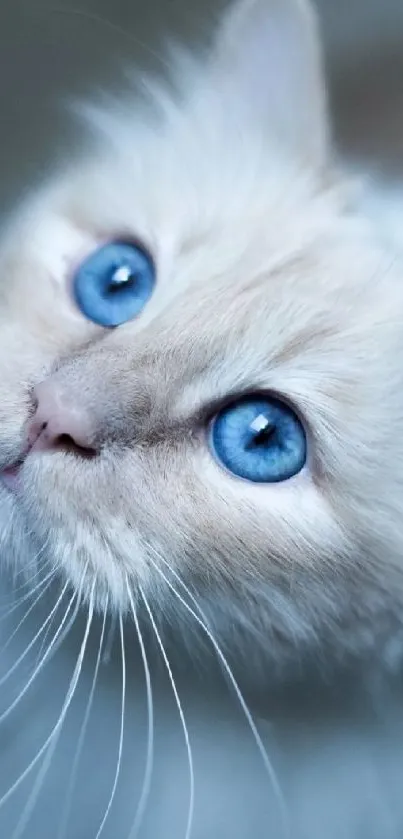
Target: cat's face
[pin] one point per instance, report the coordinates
(264, 285)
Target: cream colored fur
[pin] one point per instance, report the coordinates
(268, 278)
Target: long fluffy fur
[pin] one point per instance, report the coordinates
(269, 277)
(266, 279)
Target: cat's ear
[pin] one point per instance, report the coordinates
(267, 64)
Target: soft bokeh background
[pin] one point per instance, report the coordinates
(55, 48)
(343, 780)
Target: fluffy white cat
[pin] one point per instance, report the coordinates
(201, 401)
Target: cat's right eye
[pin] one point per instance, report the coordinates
(114, 283)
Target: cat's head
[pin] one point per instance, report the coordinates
(201, 372)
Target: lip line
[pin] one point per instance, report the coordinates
(15, 464)
(25, 451)
(10, 477)
(9, 474)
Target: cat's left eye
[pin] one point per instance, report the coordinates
(259, 438)
(114, 283)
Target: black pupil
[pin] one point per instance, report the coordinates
(262, 437)
(122, 278)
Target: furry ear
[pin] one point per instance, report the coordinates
(267, 65)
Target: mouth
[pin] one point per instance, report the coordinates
(10, 476)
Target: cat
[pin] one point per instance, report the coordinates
(297, 301)
(201, 381)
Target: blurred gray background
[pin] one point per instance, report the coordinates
(50, 49)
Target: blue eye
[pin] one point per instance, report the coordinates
(259, 439)
(113, 285)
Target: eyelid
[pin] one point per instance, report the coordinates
(214, 406)
(97, 242)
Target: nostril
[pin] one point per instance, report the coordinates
(64, 442)
(43, 439)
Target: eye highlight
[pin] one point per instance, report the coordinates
(259, 439)
(114, 283)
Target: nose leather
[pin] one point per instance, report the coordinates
(58, 416)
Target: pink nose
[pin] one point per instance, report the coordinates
(59, 422)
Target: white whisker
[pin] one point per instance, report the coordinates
(57, 639)
(35, 638)
(80, 743)
(52, 739)
(34, 675)
(46, 583)
(120, 747)
(181, 715)
(10, 604)
(202, 622)
(33, 562)
(27, 584)
(45, 639)
(6, 611)
(150, 722)
(113, 27)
